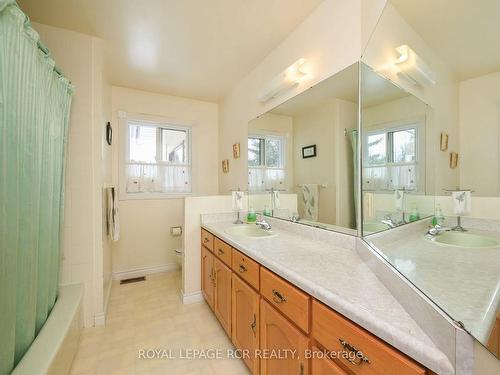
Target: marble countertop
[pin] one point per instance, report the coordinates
(464, 282)
(333, 273)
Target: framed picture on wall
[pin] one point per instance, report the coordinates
(225, 166)
(309, 152)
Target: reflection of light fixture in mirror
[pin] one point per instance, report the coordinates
(287, 79)
(413, 67)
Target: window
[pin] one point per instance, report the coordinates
(392, 159)
(266, 162)
(157, 159)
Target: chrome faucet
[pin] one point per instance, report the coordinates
(389, 221)
(437, 229)
(263, 224)
(295, 218)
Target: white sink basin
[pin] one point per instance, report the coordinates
(249, 230)
(465, 240)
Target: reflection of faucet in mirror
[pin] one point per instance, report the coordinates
(388, 221)
(295, 217)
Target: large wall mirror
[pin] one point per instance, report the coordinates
(303, 151)
(430, 117)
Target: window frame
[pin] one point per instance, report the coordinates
(419, 125)
(284, 152)
(126, 120)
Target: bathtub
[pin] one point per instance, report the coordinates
(54, 348)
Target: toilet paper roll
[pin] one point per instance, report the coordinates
(176, 231)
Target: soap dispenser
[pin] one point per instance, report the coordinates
(251, 216)
(438, 218)
(414, 215)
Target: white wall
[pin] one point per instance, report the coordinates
(316, 126)
(479, 113)
(329, 38)
(145, 240)
(80, 57)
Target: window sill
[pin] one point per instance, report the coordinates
(153, 196)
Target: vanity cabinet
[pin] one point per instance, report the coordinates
(207, 276)
(222, 294)
(287, 342)
(261, 311)
(245, 321)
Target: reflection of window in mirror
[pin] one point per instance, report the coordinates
(392, 158)
(266, 161)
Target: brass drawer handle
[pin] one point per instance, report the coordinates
(242, 268)
(206, 239)
(358, 358)
(220, 251)
(278, 297)
(254, 325)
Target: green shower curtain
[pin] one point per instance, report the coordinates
(34, 116)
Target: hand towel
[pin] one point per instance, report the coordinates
(461, 202)
(275, 199)
(310, 197)
(112, 213)
(237, 200)
(399, 198)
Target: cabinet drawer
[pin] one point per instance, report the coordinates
(246, 268)
(322, 365)
(375, 357)
(207, 239)
(288, 299)
(223, 251)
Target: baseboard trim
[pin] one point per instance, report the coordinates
(138, 272)
(191, 297)
(99, 319)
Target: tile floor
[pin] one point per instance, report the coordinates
(150, 315)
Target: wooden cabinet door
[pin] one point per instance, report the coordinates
(222, 300)
(279, 336)
(321, 365)
(207, 276)
(245, 321)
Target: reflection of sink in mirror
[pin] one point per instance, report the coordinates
(244, 230)
(465, 240)
(372, 227)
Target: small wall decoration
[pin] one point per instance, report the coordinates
(236, 150)
(225, 165)
(444, 141)
(453, 160)
(309, 152)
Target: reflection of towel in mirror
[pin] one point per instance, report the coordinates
(112, 213)
(461, 202)
(275, 199)
(237, 200)
(399, 198)
(310, 196)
